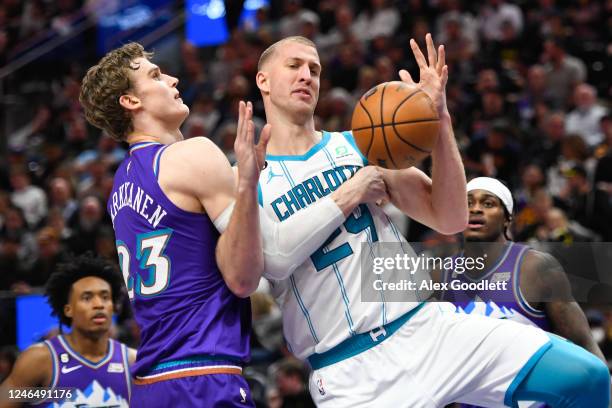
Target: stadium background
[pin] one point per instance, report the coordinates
(529, 92)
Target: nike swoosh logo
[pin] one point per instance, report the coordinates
(66, 370)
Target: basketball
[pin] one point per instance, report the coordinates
(395, 125)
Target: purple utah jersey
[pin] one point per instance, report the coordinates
(509, 304)
(105, 384)
(188, 317)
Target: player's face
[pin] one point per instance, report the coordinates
(486, 217)
(294, 77)
(157, 93)
(90, 305)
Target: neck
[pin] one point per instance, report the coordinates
(154, 132)
(291, 136)
(489, 251)
(87, 344)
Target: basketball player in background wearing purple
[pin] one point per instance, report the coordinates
(529, 274)
(188, 286)
(82, 293)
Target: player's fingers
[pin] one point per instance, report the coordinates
(241, 109)
(441, 59)
(418, 55)
(444, 75)
(405, 76)
(250, 133)
(431, 50)
(264, 137)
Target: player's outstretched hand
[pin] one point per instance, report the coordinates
(433, 72)
(250, 156)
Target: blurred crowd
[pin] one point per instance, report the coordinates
(528, 92)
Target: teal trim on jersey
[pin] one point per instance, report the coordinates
(82, 359)
(359, 343)
(524, 371)
(345, 299)
(137, 146)
(314, 149)
(156, 161)
(330, 157)
(196, 360)
(304, 309)
(259, 195)
(126, 367)
(349, 137)
(55, 363)
(287, 174)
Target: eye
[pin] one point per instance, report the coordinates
(488, 204)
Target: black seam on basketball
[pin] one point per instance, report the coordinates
(399, 123)
(399, 105)
(420, 149)
(382, 98)
(371, 129)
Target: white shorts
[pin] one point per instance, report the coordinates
(436, 358)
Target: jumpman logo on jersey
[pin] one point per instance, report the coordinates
(271, 175)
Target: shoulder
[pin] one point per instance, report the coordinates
(545, 272)
(193, 160)
(33, 367)
(131, 355)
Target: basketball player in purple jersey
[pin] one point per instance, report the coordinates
(529, 274)
(82, 293)
(170, 196)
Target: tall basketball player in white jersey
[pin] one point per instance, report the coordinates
(382, 354)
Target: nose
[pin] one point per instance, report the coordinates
(475, 208)
(97, 302)
(304, 74)
(173, 81)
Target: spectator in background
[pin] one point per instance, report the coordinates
(290, 380)
(289, 24)
(468, 25)
(459, 46)
(29, 198)
(50, 253)
(494, 14)
(535, 92)
(342, 32)
(62, 198)
(574, 151)
(557, 228)
(379, 19)
(563, 72)
(585, 119)
(493, 156)
(532, 179)
(86, 224)
(545, 144)
(203, 119)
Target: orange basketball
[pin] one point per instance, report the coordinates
(395, 125)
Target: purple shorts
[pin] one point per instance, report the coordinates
(211, 390)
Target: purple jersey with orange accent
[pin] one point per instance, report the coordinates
(104, 384)
(181, 303)
(508, 304)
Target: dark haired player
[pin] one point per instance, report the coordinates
(82, 293)
(529, 274)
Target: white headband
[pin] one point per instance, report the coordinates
(494, 187)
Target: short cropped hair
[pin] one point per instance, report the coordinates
(104, 84)
(269, 52)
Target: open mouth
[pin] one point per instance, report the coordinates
(476, 223)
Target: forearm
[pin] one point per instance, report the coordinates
(290, 243)
(240, 250)
(448, 189)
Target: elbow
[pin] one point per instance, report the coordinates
(243, 289)
(454, 225)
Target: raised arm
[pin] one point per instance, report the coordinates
(198, 172)
(439, 202)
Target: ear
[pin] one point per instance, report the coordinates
(262, 81)
(130, 102)
(68, 311)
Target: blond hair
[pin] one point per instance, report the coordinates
(269, 52)
(104, 84)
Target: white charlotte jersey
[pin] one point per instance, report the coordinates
(320, 301)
